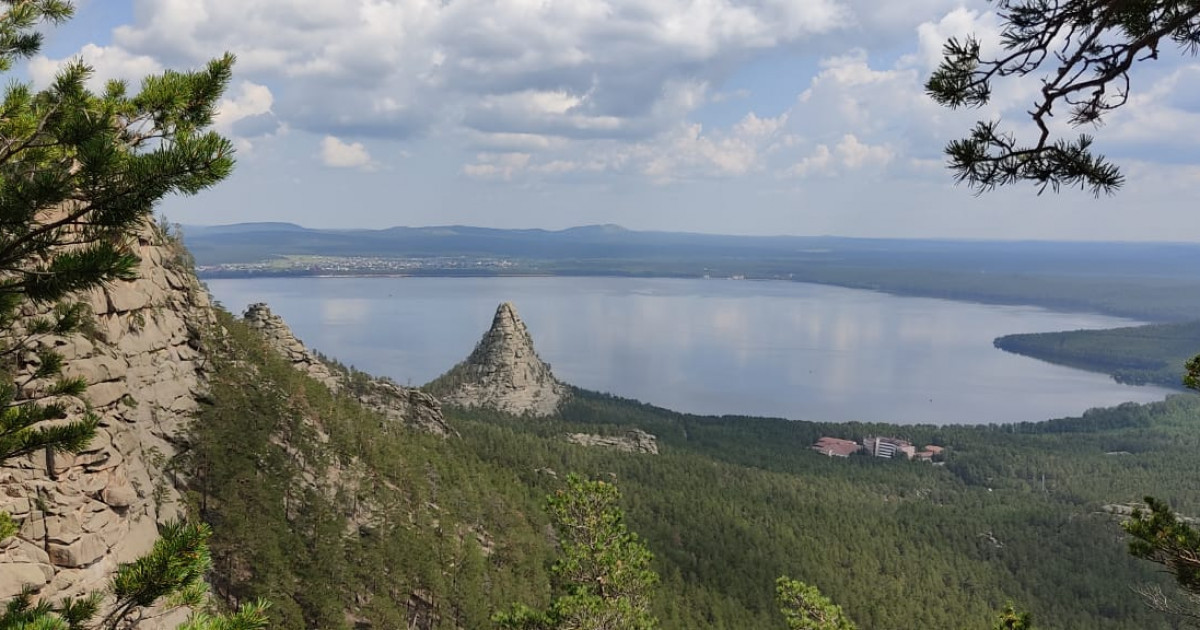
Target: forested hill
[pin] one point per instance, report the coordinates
(443, 532)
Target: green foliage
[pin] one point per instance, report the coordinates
(1012, 619)
(79, 172)
(20, 435)
(175, 565)
(1191, 375)
(449, 530)
(603, 577)
(18, 19)
(1094, 45)
(173, 570)
(805, 608)
(1155, 353)
(732, 503)
(251, 616)
(1160, 536)
(349, 515)
(21, 613)
(79, 175)
(7, 526)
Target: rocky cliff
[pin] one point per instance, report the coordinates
(406, 405)
(81, 515)
(147, 372)
(503, 372)
(634, 441)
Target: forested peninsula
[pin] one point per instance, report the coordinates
(1137, 355)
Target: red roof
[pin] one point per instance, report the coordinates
(836, 447)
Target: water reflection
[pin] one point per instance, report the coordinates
(760, 348)
(344, 311)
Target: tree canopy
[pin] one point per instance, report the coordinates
(603, 575)
(805, 608)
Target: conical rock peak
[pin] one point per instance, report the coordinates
(504, 372)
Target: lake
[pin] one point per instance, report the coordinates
(769, 348)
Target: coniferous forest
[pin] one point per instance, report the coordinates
(308, 505)
(450, 531)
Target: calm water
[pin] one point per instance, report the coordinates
(709, 346)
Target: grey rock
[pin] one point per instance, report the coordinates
(16, 576)
(120, 496)
(504, 372)
(85, 509)
(405, 405)
(634, 441)
(86, 550)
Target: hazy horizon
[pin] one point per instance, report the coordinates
(752, 117)
(967, 239)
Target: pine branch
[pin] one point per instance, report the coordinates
(1091, 78)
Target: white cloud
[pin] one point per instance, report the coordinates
(854, 154)
(848, 92)
(250, 99)
(820, 162)
(1166, 114)
(958, 24)
(107, 62)
(596, 68)
(689, 152)
(246, 115)
(651, 101)
(497, 165)
(850, 153)
(338, 154)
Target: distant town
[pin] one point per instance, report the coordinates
(312, 265)
(367, 265)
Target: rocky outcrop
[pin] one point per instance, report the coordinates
(504, 372)
(80, 515)
(634, 441)
(405, 405)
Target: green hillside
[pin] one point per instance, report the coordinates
(347, 512)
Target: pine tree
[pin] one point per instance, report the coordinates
(80, 173)
(1012, 619)
(1085, 50)
(805, 608)
(602, 578)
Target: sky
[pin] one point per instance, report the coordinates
(802, 117)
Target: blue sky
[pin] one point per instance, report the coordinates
(730, 116)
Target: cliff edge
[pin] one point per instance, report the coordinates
(407, 405)
(81, 515)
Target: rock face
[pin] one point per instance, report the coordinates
(143, 359)
(634, 441)
(407, 405)
(504, 372)
(81, 515)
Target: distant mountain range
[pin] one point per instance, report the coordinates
(255, 242)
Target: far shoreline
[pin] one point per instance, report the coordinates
(1098, 369)
(898, 292)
